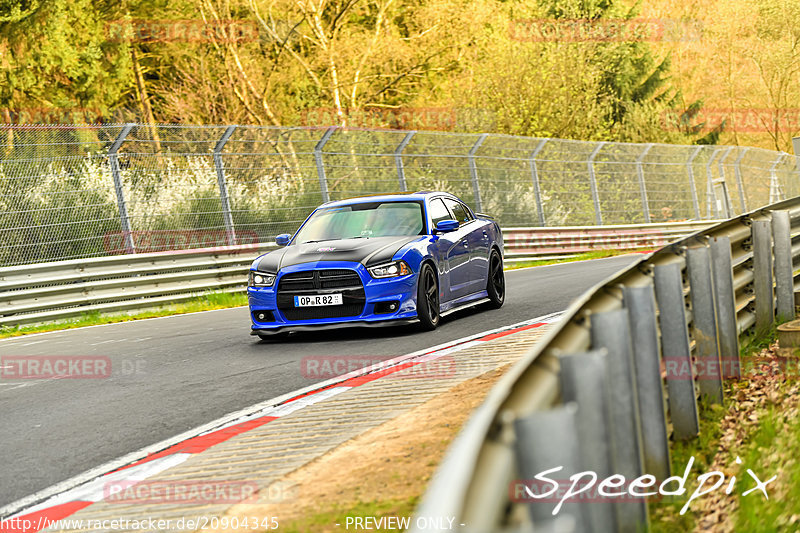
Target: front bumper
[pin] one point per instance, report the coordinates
(402, 290)
(338, 325)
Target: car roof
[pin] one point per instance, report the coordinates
(417, 195)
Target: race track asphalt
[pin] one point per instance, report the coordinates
(169, 375)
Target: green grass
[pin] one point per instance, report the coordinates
(772, 450)
(598, 254)
(327, 520)
(205, 302)
(770, 447)
(665, 514)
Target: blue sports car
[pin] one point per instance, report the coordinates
(378, 260)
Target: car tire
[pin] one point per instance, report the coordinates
(428, 298)
(496, 281)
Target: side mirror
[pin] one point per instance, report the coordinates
(283, 239)
(444, 226)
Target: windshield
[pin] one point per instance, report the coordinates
(363, 220)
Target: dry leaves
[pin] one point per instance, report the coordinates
(765, 382)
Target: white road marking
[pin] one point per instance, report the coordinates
(107, 342)
(22, 506)
(34, 342)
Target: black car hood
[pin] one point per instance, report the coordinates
(372, 251)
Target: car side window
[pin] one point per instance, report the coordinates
(438, 212)
(459, 211)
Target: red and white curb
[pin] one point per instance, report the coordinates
(66, 498)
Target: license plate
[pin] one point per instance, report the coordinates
(318, 300)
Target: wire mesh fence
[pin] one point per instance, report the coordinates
(91, 190)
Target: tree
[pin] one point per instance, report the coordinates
(56, 61)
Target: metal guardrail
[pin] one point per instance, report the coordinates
(64, 289)
(522, 244)
(618, 376)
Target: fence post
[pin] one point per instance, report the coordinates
(598, 217)
(796, 147)
(584, 380)
(642, 186)
(774, 183)
(710, 196)
(762, 272)
(611, 330)
(784, 278)
(223, 186)
(725, 300)
(113, 160)
(641, 305)
(704, 322)
(473, 171)
(544, 440)
(692, 184)
(728, 212)
(398, 160)
(675, 349)
(740, 181)
(323, 181)
(535, 179)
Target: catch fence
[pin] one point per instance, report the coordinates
(80, 191)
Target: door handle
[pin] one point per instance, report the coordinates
(465, 243)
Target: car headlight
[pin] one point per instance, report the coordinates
(261, 279)
(390, 270)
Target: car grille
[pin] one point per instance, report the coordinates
(344, 281)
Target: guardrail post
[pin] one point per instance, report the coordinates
(473, 171)
(725, 300)
(784, 277)
(704, 322)
(642, 186)
(223, 186)
(762, 272)
(675, 349)
(113, 160)
(398, 160)
(584, 381)
(641, 305)
(740, 181)
(611, 330)
(692, 184)
(323, 181)
(545, 440)
(537, 192)
(598, 216)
